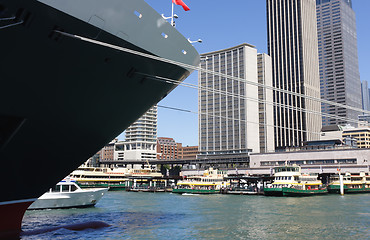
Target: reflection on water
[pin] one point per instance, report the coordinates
(171, 216)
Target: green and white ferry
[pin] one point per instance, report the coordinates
(211, 182)
(288, 181)
(308, 185)
(352, 183)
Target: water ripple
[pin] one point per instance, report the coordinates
(171, 216)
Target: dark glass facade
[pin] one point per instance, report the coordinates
(339, 71)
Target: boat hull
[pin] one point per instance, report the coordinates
(64, 98)
(78, 199)
(196, 191)
(336, 189)
(11, 215)
(292, 192)
(273, 192)
(242, 192)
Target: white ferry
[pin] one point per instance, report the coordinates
(212, 181)
(145, 179)
(114, 178)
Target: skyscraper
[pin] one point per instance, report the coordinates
(292, 45)
(265, 103)
(365, 93)
(339, 71)
(235, 112)
(228, 119)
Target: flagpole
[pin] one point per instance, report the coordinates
(172, 15)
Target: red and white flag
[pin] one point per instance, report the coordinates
(181, 3)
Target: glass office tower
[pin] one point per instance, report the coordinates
(339, 72)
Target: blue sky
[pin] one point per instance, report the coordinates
(223, 24)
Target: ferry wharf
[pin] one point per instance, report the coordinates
(246, 185)
(151, 184)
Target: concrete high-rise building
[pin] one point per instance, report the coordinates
(339, 70)
(365, 93)
(140, 139)
(292, 45)
(265, 103)
(229, 115)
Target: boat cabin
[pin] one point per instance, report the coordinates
(68, 187)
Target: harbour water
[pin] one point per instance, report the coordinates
(170, 216)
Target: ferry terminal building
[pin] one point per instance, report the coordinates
(320, 161)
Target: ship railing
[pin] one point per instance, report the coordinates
(7, 19)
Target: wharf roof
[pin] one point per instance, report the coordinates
(330, 128)
(250, 178)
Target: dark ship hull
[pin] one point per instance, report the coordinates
(62, 99)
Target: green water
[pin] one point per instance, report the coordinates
(171, 216)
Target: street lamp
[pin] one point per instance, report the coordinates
(199, 41)
(174, 16)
